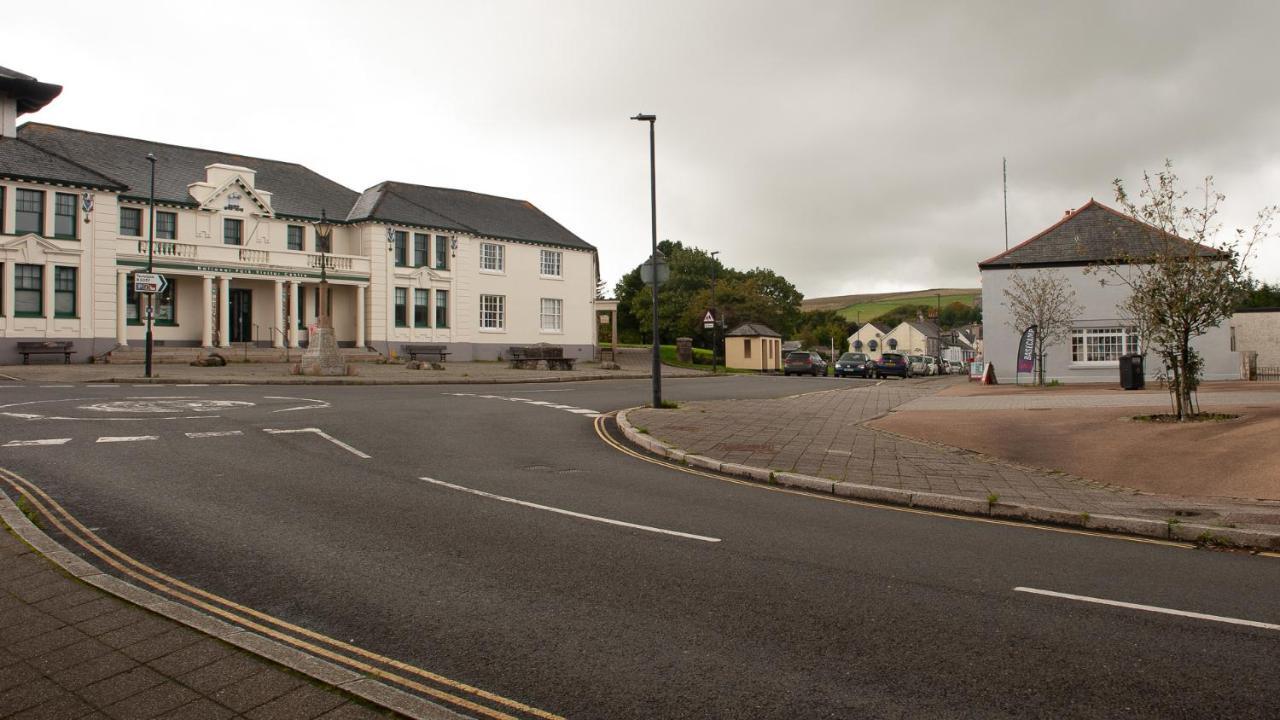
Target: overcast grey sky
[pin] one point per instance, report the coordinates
(850, 146)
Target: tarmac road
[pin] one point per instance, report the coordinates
(663, 594)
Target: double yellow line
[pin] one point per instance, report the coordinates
(602, 431)
(457, 694)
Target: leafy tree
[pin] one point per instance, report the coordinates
(958, 314)
(758, 295)
(1189, 281)
(1261, 295)
(817, 327)
(1046, 300)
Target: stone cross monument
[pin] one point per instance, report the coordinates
(322, 356)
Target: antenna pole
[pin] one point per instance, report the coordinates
(1005, 170)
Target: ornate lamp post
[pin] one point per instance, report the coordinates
(322, 356)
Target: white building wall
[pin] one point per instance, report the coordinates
(1099, 301)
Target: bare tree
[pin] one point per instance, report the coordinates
(1046, 300)
(1185, 281)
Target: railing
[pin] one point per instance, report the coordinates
(332, 262)
(168, 248)
(1267, 374)
(231, 255)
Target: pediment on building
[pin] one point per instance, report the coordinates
(418, 274)
(33, 248)
(234, 193)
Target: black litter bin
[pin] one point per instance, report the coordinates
(1131, 375)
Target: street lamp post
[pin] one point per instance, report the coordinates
(715, 315)
(653, 257)
(151, 242)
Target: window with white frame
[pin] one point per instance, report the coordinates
(1102, 345)
(491, 257)
(552, 314)
(549, 265)
(493, 312)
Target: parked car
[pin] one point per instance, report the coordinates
(916, 363)
(956, 367)
(804, 362)
(892, 364)
(934, 367)
(853, 364)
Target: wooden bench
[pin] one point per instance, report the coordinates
(528, 357)
(428, 351)
(48, 347)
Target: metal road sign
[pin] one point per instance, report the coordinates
(709, 320)
(149, 282)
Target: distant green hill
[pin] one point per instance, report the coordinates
(868, 306)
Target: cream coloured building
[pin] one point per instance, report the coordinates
(752, 346)
(235, 237)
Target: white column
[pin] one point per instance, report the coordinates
(277, 337)
(206, 314)
(293, 315)
(9, 294)
(224, 311)
(360, 339)
(48, 295)
(122, 307)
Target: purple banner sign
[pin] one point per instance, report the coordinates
(1027, 351)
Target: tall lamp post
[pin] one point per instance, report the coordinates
(653, 257)
(715, 315)
(151, 243)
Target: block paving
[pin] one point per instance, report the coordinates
(69, 650)
(823, 434)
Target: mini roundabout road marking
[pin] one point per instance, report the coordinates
(148, 407)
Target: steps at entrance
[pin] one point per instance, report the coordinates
(137, 355)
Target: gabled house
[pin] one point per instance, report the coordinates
(869, 339)
(753, 346)
(915, 337)
(1092, 235)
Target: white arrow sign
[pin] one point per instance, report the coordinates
(149, 283)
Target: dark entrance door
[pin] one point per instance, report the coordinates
(241, 316)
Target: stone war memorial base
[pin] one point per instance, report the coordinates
(322, 357)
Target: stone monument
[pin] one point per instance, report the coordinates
(322, 356)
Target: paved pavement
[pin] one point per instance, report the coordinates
(70, 650)
(822, 435)
(1208, 400)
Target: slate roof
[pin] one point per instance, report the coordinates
(462, 211)
(1093, 233)
(296, 190)
(882, 327)
(926, 327)
(20, 160)
(30, 93)
(752, 330)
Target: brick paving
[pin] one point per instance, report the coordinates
(822, 434)
(1208, 400)
(69, 650)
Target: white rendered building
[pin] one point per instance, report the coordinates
(235, 237)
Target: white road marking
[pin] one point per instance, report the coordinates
(126, 438)
(322, 434)
(1151, 608)
(571, 513)
(27, 443)
(192, 385)
(216, 433)
(56, 386)
(527, 392)
(108, 385)
(10, 377)
(158, 397)
(316, 404)
(584, 411)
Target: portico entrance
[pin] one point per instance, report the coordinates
(241, 319)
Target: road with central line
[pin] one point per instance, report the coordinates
(489, 537)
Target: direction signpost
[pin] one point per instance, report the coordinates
(149, 283)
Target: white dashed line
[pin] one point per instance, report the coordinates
(585, 412)
(102, 386)
(216, 433)
(570, 513)
(56, 386)
(28, 443)
(127, 438)
(192, 385)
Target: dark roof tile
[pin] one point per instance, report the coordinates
(24, 161)
(296, 190)
(1092, 234)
